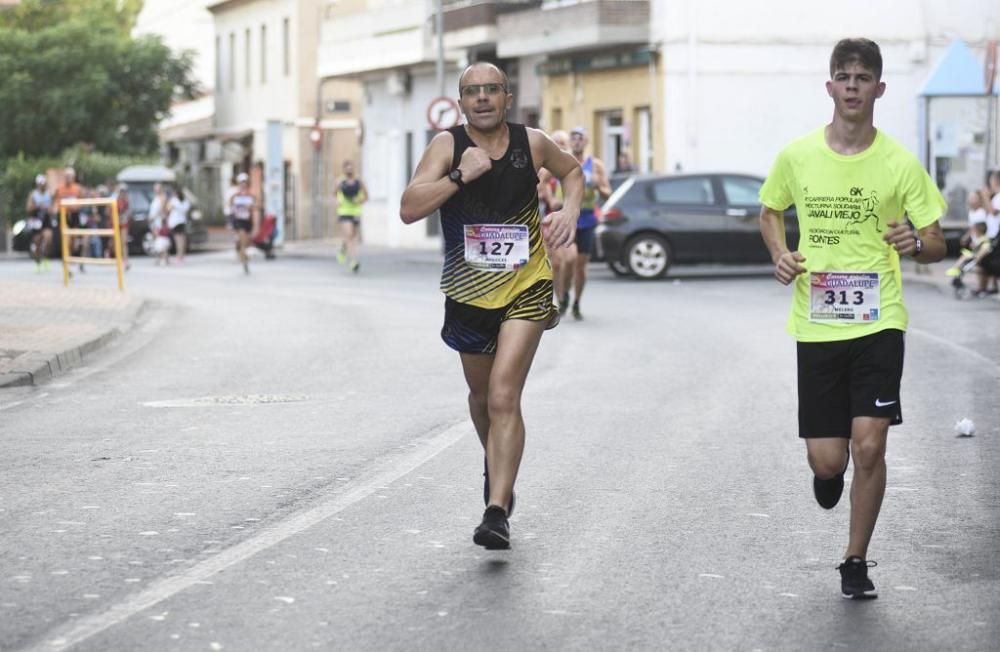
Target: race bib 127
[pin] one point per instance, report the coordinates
(496, 247)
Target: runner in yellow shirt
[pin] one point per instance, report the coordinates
(853, 188)
(351, 193)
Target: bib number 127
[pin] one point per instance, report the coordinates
(496, 248)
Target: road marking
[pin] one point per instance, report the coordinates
(228, 401)
(73, 633)
(957, 347)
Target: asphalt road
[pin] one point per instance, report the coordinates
(284, 462)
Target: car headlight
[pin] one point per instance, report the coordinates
(18, 227)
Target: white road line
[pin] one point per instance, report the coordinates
(10, 405)
(80, 630)
(956, 347)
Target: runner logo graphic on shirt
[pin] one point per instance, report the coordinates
(838, 216)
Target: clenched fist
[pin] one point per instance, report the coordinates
(474, 164)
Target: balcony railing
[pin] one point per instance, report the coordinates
(589, 24)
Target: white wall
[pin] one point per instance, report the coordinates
(249, 106)
(742, 79)
(387, 120)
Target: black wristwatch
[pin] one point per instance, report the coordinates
(456, 176)
(919, 245)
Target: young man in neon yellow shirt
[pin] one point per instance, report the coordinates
(851, 185)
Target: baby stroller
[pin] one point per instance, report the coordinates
(990, 264)
(264, 239)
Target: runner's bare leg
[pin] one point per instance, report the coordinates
(516, 346)
(868, 444)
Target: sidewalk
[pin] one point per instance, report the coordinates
(45, 330)
(933, 275)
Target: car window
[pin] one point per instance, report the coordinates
(741, 191)
(689, 190)
(619, 192)
(139, 197)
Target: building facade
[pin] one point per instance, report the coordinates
(390, 48)
(675, 85)
(268, 95)
(742, 79)
(594, 68)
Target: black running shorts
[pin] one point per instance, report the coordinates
(850, 378)
(470, 329)
(585, 241)
(243, 225)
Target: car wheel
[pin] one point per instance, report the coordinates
(648, 256)
(619, 268)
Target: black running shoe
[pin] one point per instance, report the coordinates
(854, 582)
(828, 492)
(577, 315)
(564, 304)
(494, 532)
(486, 490)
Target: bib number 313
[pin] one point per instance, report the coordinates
(846, 296)
(496, 247)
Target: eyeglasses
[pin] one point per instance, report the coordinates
(473, 90)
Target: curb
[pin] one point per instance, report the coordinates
(34, 368)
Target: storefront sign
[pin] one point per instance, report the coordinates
(605, 61)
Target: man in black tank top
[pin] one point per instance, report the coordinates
(496, 277)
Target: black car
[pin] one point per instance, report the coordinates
(140, 181)
(651, 222)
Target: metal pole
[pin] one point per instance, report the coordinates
(439, 28)
(990, 123)
(318, 213)
(116, 239)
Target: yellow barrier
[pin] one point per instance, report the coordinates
(114, 232)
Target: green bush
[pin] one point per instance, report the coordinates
(92, 169)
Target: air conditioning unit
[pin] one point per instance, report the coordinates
(398, 83)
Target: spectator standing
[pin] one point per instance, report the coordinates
(177, 210)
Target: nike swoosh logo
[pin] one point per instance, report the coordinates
(879, 403)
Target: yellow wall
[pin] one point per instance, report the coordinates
(576, 99)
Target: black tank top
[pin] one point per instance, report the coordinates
(507, 194)
(350, 188)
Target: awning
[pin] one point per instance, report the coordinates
(958, 74)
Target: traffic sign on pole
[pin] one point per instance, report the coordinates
(443, 113)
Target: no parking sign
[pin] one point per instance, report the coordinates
(443, 113)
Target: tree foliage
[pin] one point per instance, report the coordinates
(70, 73)
(92, 168)
(36, 15)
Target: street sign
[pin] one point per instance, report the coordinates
(443, 113)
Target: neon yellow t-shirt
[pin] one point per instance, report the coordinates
(843, 205)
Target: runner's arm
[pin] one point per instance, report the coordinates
(787, 264)
(904, 240)
(559, 228)
(601, 179)
(364, 192)
(430, 186)
(545, 192)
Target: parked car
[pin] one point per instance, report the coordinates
(651, 222)
(139, 181)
